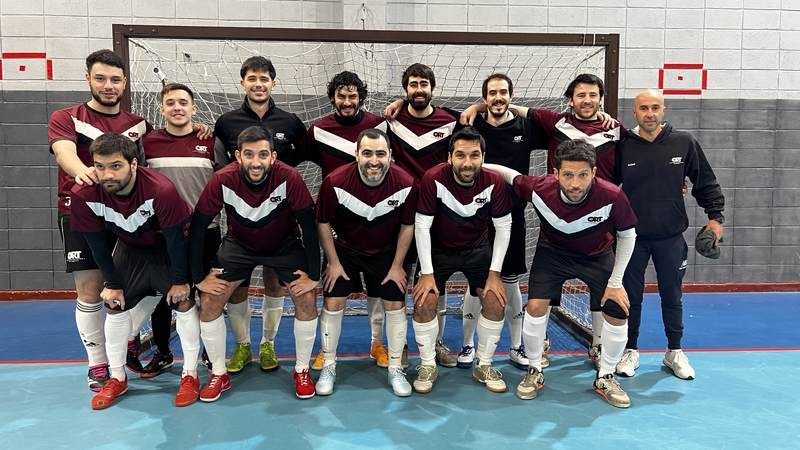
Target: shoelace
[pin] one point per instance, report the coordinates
(425, 372)
(212, 383)
(304, 378)
(132, 348)
(100, 371)
(521, 351)
(491, 372)
(465, 351)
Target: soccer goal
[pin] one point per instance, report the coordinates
(208, 60)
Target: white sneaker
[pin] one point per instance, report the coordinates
(679, 363)
(629, 363)
(466, 357)
(426, 375)
(518, 357)
(609, 388)
(327, 378)
(489, 376)
(595, 353)
(397, 378)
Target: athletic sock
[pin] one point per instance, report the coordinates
(330, 328)
(161, 323)
(514, 313)
(271, 311)
(188, 327)
(396, 331)
(239, 316)
(533, 332)
(488, 337)
(304, 333)
(214, 338)
(597, 327)
(470, 312)
(376, 313)
(141, 313)
(614, 340)
(441, 315)
(425, 335)
(118, 328)
(90, 321)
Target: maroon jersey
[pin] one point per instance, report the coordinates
(138, 219)
(331, 142)
(367, 219)
(584, 228)
(259, 220)
(420, 144)
(461, 214)
(81, 125)
(565, 126)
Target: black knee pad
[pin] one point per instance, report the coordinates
(612, 309)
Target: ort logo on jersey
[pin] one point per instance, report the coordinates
(595, 219)
(201, 149)
(609, 136)
(74, 256)
(480, 201)
(517, 139)
(144, 212)
(438, 134)
(676, 160)
(394, 203)
(276, 199)
(133, 135)
(280, 136)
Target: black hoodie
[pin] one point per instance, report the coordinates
(652, 175)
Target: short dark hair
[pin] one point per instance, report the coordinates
(104, 56)
(575, 150)
(419, 70)
(347, 79)
(469, 134)
(257, 64)
(372, 133)
(497, 76)
(176, 87)
(110, 143)
(585, 78)
(255, 134)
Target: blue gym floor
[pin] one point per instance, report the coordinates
(744, 348)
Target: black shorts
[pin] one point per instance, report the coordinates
(77, 253)
(375, 268)
(237, 263)
(143, 273)
(514, 263)
(552, 267)
(474, 263)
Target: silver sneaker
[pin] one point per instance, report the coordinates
(530, 385)
(545, 356)
(489, 376)
(609, 388)
(397, 379)
(518, 357)
(595, 352)
(629, 363)
(327, 378)
(679, 363)
(426, 375)
(443, 356)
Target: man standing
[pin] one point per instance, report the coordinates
(652, 163)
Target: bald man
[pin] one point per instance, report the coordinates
(652, 163)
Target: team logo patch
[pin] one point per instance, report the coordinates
(393, 203)
(201, 149)
(676, 160)
(133, 135)
(517, 139)
(280, 136)
(74, 256)
(595, 219)
(438, 134)
(144, 212)
(276, 199)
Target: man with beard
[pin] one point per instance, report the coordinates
(148, 216)
(268, 204)
(577, 217)
(456, 200)
(258, 109)
(370, 203)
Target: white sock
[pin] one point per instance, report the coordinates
(514, 313)
(597, 327)
(90, 321)
(533, 332)
(214, 338)
(239, 317)
(396, 331)
(304, 334)
(376, 312)
(614, 340)
(271, 311)
(117, 328)
(470, 311)
(188, 327)
(488, 337)
(425, 335)
(441, 315)
(330, 328)
(141, 313)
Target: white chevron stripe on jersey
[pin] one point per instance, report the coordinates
(596, 140)
(370, 213)
(597, 217)
(179, 161)
(247, 211)
(86, 129)
(478, 201)
(334, 141)
(420, 142)
(131, 223)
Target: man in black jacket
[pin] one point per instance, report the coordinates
(652, 163)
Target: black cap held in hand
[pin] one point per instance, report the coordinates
(704, 243)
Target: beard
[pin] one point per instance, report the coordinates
(502, 113)
(465, 179)
(420, 106)
(99, 98)
(246, 174)
(118, 185)
(566, 193)
(373, 178)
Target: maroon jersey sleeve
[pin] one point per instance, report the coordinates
(61, 127)
(210, 202)
(83, 219)
(524, 186)
(546, 119)
(299, 197)
(327, 202)
(426, 200)
(410, 206)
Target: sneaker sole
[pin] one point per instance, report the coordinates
(618, 405)
(181, 405)
(675, 373)
(303, 397)
(465, 365)
(235, 370)
(625, 374)
(446, 365)
(545, 363)
(401, 394)
(270, 369)
(524, 396)
(209, 400)
(498, 390)
(133, 369)
(144, 374)
(106, 405)
(518, 365)
(319, 392)
(425, 391)
(96, 388)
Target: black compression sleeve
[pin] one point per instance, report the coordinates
(197, 241)
(308, 225)
(176, 248)
(102, 256)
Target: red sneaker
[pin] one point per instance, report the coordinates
(303, 385)
(215, 387)
(188, 392)
(111, 390)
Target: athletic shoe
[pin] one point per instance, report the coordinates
(205, 360)
(530, 385)
(629, 363)
(111, 390)
(518, 357)
(397, 379)
(266, 353)
(303, 386)
(404, 358)
(466, 357)
(443, 356)
(318, 362)
(242, 356)
(679, 363)
(97, 377)
(594, 354)
(545, 356)
(156, 365)
(378, 353)
(132, 358)
(189, 391)
(216, 385)
(426, 375)
(327, 378)
(489, 376)
(609, 388)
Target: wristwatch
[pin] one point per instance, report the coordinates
(720, 219)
